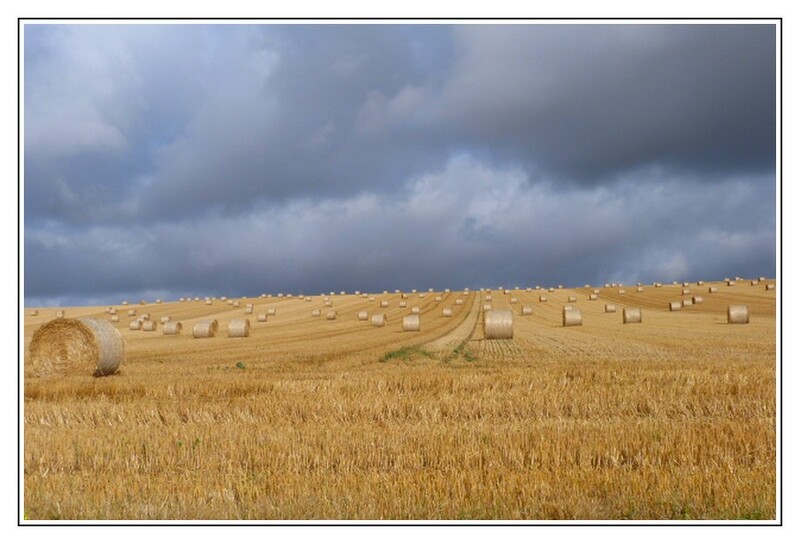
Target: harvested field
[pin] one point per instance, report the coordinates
(308, 418)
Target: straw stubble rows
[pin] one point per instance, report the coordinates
(307, 418)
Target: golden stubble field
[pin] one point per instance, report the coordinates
(673, 418)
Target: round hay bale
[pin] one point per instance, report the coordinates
(459, 302)
(76, 346)
(329, 303)
(403, 304)
(208, 303)
(115, 318)
(700, 283)
(165, 319)
(674, 306)
(592, 297)
(411, 323)
(422, 295)
(488, 298)
(656, 284)
(754, 282)
(513, 300)
(135, 325)
(144, 317)
(606, 285)
(640, 289)
(572, 299)
(363, 315)
(542, 299)
(685, 292)
(262, 318)
(770, 287)
(308, 299)
(248, 310)
(447, 290)
(271, 311)
(142, 302)
(403, 295)
(415, 310)
(34, 313)
(527, 310)
(685, 284)
(730, 283)
(762, 278)
(207, 328)
(371, 299)
(124, 302)
(610, 308)
(447, 312)
(631, 315)
(596, 291)
(487, 307)
(568, 307)
(571, 318)
(112, 311)
(498, 324)
(316, 313)
(149, 326)
(223, 298)
(438, 299)
(687, 302)
(239, 328)
(528, 290)
(738, 314)
(551, 290)
(621, 291)
(712, 289)
(384, 304)
(697, 300)
(59, 314)
(172, 328)
(331, 315)
(378, 320)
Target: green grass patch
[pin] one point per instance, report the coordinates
(406, 353)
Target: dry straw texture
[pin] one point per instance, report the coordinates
(527, 310)
(571, 318)
(631, 315)
(239, 328)
(206, 328)
(411, 323)
(76, 346)
(738, 313)
(378, 320)
(172, 328)
(610, 308)
(674, 306)
(498, 324)
(149, 326)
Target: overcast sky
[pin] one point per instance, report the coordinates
(193, 160)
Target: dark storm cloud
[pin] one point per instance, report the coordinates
(198, 159)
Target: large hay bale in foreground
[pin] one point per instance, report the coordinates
(239, 328)
(571, 318)
(76, 346)
(172, 328)
(631, 315)
(206, 328)
(411, 323)
(739, 314)
(498, 324)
